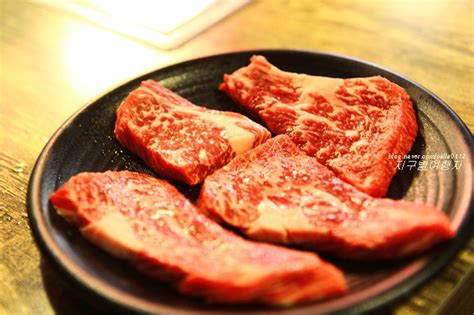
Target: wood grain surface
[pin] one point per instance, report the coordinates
(52, 63)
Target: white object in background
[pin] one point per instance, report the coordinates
(165, 24)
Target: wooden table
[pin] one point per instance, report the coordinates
(52, 63)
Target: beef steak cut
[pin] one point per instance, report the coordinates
(350, 125)
(146, 221)
(180, 140)
(279, 194)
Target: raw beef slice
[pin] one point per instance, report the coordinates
(350, 125)
(148, 222)
(277, 193)
(180, 140)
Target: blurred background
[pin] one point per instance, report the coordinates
(55, 56)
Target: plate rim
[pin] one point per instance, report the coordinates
(383, 299)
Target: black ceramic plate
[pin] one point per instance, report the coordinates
(86, 143)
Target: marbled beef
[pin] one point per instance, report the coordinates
(353, 126)
(279, 194)
(180, 140)
(148, 222)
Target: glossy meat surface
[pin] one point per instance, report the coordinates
(149, 223)
(277, 193)
(180, 140)
(353, 126)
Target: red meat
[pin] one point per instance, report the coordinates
(149, 223)
(180, 140)
(277, 193)
(353, 126)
